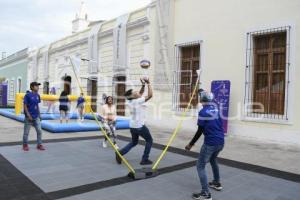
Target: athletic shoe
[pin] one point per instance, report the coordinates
(118, 159)
(104, 144)
(40, 147)
(202, 196)
(25, 147)
(215, 185)
(146, 162)
(117, 147)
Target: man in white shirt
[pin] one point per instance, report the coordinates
(136, 102)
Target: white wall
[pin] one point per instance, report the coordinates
(223, 26)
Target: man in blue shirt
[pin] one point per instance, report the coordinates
(32, 116)
(80, 107)
(210, 124)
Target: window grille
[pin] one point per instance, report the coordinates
(267, 73)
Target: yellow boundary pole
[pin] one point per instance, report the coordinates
(183, 115)
(20, 97)
(130, 168)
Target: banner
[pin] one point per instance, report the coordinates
(221, 91)
(35, 65)
(46, 63)
(3, 95)
(119, 43)
(93, 48)
(76, 63)
(163, 69)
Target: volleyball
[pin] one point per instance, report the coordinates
(145, 64)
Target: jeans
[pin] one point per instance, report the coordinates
(135, 133)
(37, 125)
(208, 154)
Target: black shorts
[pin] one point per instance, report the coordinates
(64, 108)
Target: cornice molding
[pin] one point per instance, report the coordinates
(139, 22)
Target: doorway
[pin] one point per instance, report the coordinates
(46, 87)
(120, 88)
(92, 91)
(190, 62)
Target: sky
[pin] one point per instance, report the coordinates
(34, 23)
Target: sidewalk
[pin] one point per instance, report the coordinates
(280, 157)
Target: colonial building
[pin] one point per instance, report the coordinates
(252, 44)
(13, 70)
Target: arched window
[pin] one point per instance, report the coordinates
(19, 85)
(11, 89)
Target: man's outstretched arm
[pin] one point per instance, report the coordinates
(195, 138)
(142, 90)
(150, 92)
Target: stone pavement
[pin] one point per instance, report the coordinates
(275, 156)
(82, 169)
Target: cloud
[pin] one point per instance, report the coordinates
(37, 22)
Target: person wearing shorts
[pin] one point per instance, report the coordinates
(64, 106)
(80, 107)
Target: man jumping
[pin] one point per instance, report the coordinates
(136, 102)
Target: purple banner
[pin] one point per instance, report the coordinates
(221, 91)
(3, 95)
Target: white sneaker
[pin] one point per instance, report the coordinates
(104, 144)
(117, 147)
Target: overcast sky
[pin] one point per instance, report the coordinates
(30, 23)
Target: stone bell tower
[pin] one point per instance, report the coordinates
(81, 20)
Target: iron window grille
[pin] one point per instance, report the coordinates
(184, 79)
(267, 74)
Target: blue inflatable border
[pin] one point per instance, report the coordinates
(54, 127)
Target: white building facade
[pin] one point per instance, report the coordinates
(251, 43)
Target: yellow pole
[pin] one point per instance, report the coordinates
(20, 96)
(130, 168)
(177, 128)
(18, 103)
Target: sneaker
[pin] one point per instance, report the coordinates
(146, 162)
(104, 144)
(202, 196)
(25, 147)
(117, 147)
(215, 185)
(40, 147)
(118, 159)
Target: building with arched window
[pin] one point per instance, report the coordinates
(13, 69)
(251, 44)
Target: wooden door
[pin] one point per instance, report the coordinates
(94, 94)
(92, 91)
(120, 92)
(190, 58)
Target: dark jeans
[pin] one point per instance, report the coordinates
(135, 133)
(208, 154)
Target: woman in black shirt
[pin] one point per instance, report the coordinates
(64, 106)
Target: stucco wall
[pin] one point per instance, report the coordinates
(222, 27)
(13, 71)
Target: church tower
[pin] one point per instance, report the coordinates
(81, 21)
